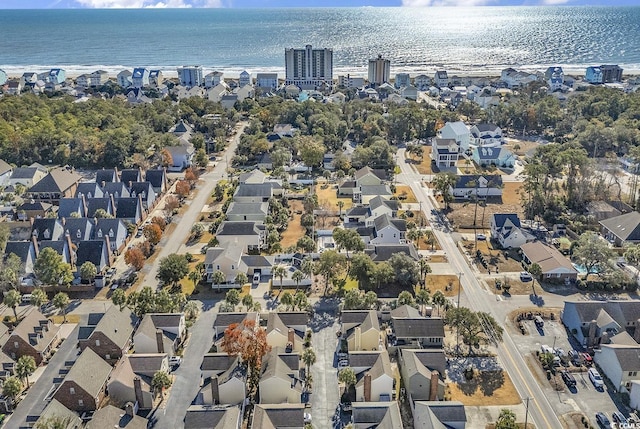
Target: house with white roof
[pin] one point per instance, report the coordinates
(457, 131)
(124, 78)
(212, 79)
(515, 79)
(487, 135)
(497, 156)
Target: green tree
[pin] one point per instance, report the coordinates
(191, 310)
(241, 278)
(406, 270)
(11, 388)
(10, 270)
(330, 264)
(405, 298)
(362, 268)
(309, 358)
(347, 376)
(12, 299)
(311, 151)
(442, 183)
(287, 300)
(119, 298)
(195, 276)
(25, 366)
(218, 278)
(38, 297)
(61, 301)
(172, 269)
(306, 244)
(632, 256)
(50, 269)
(161, 380)
(383, 274)
(5, 234)
(297, 277)
(439, 300)
(422, 298)
(348, 239)
(472, 326)
(340, 205)
(300, 301)
(506, 420)
(233, 298)
(591, 251)
(425, 269)
(247, 301)
(88, 271)
(536, 271)
(279, 271)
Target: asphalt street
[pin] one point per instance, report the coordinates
(171, 243)
(541, 413)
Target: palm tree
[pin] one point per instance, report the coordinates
(422, 298)
(160, 381)
(241, 278)
(430, 238)
(12, 299)
(25, 366)
(287, 300)
(247, 301)
(309, 358)
(297, 277)
(279, 271)
(195, 276)
(191, 310)
(218, 278)
(340, 205)
(61, 301)
(38, 297)
(425, 269)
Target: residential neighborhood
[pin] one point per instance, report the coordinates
(312, 252)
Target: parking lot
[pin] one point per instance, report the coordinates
(564, 400)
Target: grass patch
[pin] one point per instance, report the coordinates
(186, 284)
(405, 194)
(351, 284)
(448, 284)
(328, 197)
(483, 390)
(58, 319)
(295, 230)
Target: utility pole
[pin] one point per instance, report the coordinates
(526, 413)
(458, 306)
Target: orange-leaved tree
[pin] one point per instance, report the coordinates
(135, 257)
(249, 341)
(183, 188)
(153, 233)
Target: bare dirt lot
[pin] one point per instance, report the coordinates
(506, 261)
(294, 230)
(490, 385)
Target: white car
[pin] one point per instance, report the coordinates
(525, 276)
(175, 361)
(596, 378)
(343, 364)
(307, 417)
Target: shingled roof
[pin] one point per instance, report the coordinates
(57, 181)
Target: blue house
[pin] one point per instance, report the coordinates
(57, 76)
(593, 75)
(140, 77)
(498, 156)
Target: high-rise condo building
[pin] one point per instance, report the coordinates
(379, 70)
(309, 68)
(190, 76)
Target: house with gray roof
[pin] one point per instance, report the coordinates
(254, 177)
(620, 364)
(622, 229)
(56, 410)
(360, 330)
(226, 260)
(387, 230)
(158, 179)
(130, 209)
(248, 211)
(114, 229)
(373, 374)
(107, 176)
(62, 248)
(383, 252)
(379, 206)
(115, 189)
(423, 373)
(47, 229)
(247, 235)
(72, 207)
(225, 387)
(98, 252)
(486, 135)
(116, 418)
(108, 334)
(27, 176)
(84, 385)
(125, 385)
(88, 190)
(147, 364)
(130, 175)
(493, 156)
(35, 336)
(439, 415)
(458, 132)
(280, 379)
(365, 193)
(27, 251)
(596, 322)
(106, 204)
(376, 414)
(277, 416)
(419, 332)
(253, 193)
(472, 185)
(146, 192)
(445, 152)
(283, 336)
(224, 320)
(34, 209)
(208, 417)
(160, 333)
(77, 229)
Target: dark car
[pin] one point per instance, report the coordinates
(568, 378)
(618, 417)
(603, 420)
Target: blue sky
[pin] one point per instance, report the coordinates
(47, 4)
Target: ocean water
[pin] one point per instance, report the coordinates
(468, 40)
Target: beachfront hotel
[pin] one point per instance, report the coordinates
(379, 70)
(190, 76)
(309, 68)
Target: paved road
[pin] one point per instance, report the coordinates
(171, 243)
(34, 402)
(477, 298)
(325, 397)
(187, 381)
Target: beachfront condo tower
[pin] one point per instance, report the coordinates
(309, 68)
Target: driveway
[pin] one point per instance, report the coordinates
(325, 396)
(187, 377)
(32, 405)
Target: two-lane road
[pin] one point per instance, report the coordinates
(540, 410)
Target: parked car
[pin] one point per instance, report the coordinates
(587, 359)
(481, 237)
(525, 276)
(559, 352)
(618, 417)
(342, 355)
(256, 278)
(343, 364)
(603, 420)
(175, 361)
(539, 321)
(568, 378)
(596, 378)
(307, 418)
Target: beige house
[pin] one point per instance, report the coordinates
(126, 386)
(281, 335)
(272, 416)
(374, 375)
(160, 333)
(229, 387)
(360, 329)
(280, 381)
(423, 372)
